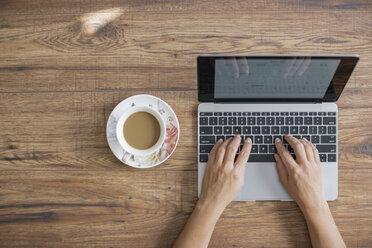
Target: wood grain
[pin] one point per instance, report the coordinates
(60, 185)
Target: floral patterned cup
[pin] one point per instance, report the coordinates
(130, 151)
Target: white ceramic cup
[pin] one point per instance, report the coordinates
(130, 151)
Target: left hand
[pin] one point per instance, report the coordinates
(223, 179)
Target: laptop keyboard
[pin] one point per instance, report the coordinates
(264, 127)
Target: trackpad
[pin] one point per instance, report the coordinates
(262, 183)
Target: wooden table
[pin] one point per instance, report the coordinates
(62, 74)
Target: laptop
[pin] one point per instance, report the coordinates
(264, 97)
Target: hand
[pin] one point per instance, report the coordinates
(223, 179)
(302, 178)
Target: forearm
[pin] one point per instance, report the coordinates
(199, 227)
(322, 228)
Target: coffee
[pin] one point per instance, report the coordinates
(141, 130)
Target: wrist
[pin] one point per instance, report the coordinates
(316, 210)
(209, 208)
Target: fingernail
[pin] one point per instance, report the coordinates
(277, 140)
(304, 139)
(219, 140)
(248, 140)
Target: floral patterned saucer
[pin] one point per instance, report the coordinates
(171, 137)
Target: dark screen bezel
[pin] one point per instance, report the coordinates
(205, 77)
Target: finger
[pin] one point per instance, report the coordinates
(236, 68)
(231, 151)
(221, 151)
(315, 152)
(245, 66)
(282, 170)
(296, 66)
(292, 62)
(298, 148)
(286, 157)
(308, 150)
(304, 66)
(212, 154)
(243, 157)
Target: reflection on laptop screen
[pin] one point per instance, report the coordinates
(273, 78)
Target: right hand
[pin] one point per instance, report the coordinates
(302, 178)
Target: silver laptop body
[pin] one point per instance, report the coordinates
(261, 178)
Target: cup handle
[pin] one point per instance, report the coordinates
(126, 156)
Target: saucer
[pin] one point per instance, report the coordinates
(171, 137)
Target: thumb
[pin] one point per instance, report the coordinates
(282, 170)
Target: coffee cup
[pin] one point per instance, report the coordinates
(129, 151)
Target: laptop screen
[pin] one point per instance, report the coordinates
(273, 77)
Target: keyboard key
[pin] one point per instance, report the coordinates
(247, 130)
(289, 120)
(313, 130)
(323, 157)
(303, 113)
(217, 113)
(246, 113)
(242, 121)
(227, 113)
(306, 137)
(284, 130)
(322, 130)
(317, 120)
(278, 137)
(308, 121)
(293, 129)
(205, 148)
(315, 139)
(331, 157)
(232, 121)
(284, 113)
(207, 140)
(203, 120)
(237, 130)
(293, 113)
(212, 120)
(251, 120)
(237, 113)
(261, 158)
(326, 148)
(331, 113)
(303, 130)
(322, 113)
(265, 130)
(279, 121)
(205, 130)
(263, 149)
(254, 149)
(270, 121)
(297, 136)
(290, 149)
(268, 139)
(332, 130)
(217, 130)
(203, 158)
(258, 139)
(265, 113)
(313, 113)
(256, 114)
(299, 121)
(261, 121)
(329, 120)
(222, 120)
(275, 113)
(227, 130)
(275, 130)
(229, 136)
(272, 149)
(256, 130)
(205, 113)
(220, 137)
(328, 139)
